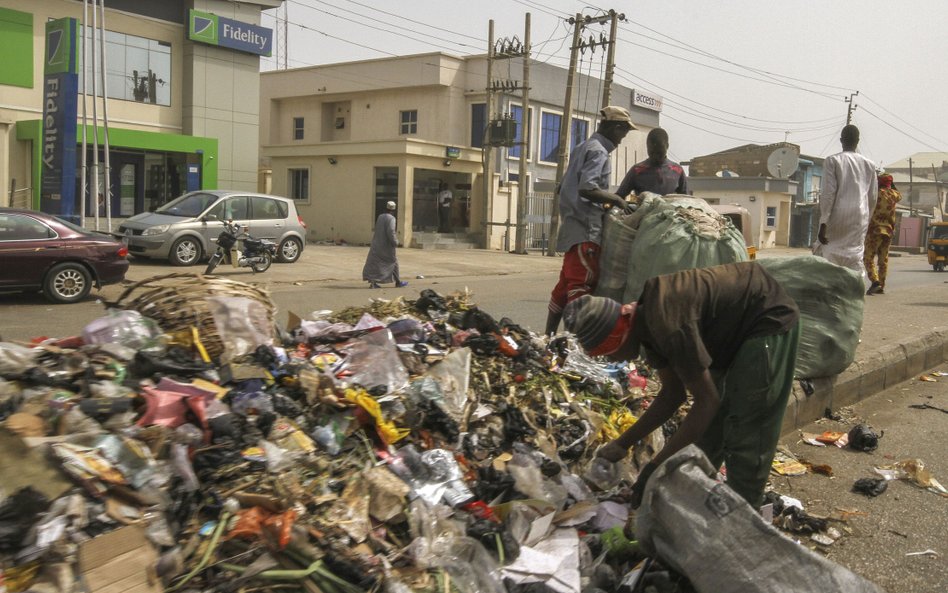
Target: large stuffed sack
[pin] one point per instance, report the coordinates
(831, 301)
(618, 233)
(708, 533)
(679, 233)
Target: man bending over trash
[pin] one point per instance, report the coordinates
(727, 334)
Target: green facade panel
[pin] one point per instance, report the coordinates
(16, 39)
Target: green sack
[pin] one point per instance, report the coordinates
(679, 233)
(831, 300)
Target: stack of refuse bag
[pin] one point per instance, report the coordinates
(408, 445)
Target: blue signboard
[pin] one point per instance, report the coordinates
(60, 97)
(205, 27)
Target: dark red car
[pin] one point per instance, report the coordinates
(41, 252)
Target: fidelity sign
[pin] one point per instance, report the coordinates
(60, 97)
(205, 27)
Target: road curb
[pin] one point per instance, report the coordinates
(874, 372)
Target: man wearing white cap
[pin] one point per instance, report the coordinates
(381, 265)
(584, 196)
(727, 334)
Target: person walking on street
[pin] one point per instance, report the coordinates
(879, 235)
(445, 197)
(656, 174)
(583, 197)
(381, 265)
(847, 197)
(728, 335)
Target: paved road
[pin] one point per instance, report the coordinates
(905, 518)
(329, 277)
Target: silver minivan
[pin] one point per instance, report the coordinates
(185, 229)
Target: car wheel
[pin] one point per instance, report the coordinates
(940, 267)
(67, 283)
(290, 250)
(186, 251)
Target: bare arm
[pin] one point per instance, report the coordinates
(601, 196)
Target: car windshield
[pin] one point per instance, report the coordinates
(188, 205)
(940, 232)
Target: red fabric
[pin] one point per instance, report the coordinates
(579, 275)
(618, 335)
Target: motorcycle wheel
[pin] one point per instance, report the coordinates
(264, 264)
(212, 263)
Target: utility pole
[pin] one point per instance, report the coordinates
(565, 127)
(488, 180)
(523, 186)
(911, 193)
(851, 108)
(610, 57)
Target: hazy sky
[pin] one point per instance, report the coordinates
(730, 72)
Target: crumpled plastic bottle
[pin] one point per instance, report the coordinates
(602, 473)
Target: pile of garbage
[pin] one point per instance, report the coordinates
(190, 443)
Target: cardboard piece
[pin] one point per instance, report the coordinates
(121, 561)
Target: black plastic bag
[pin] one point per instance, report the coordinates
(17, 515)
(870, 486)
(863, 438)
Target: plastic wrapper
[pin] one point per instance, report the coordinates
(242, 323)
(14, 359)
(182, 467)
(125, 327)
(372, 361)
(525, 469)
(831, 300)
(472, 568)
(407, 330)
(329, 437)
(580, 364)
(453, 376)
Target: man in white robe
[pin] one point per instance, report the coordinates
(847, 198)
(381, 264)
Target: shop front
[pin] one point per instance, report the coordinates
(147, 169)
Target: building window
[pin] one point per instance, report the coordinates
(409, 122)
(478, 124)
(298, 184)
(580, 132)
(516, 111)
(297, 128)
(137, 69)
(549, 136)
(771, 216)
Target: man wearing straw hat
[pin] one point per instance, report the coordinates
(726, 334)
(584, 196)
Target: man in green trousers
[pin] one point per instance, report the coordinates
(726, 334)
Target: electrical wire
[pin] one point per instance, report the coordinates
(901, 131)
(939, 140)
(368, 26)
(413, 21)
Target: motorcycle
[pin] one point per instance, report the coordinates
(256, 254)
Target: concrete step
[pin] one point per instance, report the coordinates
(430, 240)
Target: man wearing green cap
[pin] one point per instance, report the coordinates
(726, 334)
